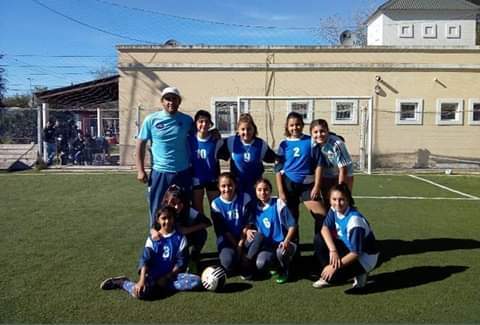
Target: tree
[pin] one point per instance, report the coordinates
(17, 101)
(104, 72)
(332, 26)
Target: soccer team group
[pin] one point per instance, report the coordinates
(256, 232)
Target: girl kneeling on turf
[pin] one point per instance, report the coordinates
(160, 264)
(230, 214)
(276, 229)
(346, 247)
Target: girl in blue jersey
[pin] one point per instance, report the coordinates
(189, 222)
(160, 264)
(230, 214)
(205, 164)
(346, 247)
(275, 230)
(246, 152)
(337, 166)
(296, 171)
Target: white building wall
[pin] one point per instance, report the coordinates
(375, 31)
(394, 21)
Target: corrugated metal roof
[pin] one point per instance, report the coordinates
(431, 5)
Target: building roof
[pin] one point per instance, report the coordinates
(83, 95)
(430, 5)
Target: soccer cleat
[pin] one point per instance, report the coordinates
(282, 278)
(273, 272)
(320, 283)
(360, 281)
(113, 283)
(246, 276)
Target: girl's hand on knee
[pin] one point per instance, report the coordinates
(328, 273)
(138, 289)
(335, 260)
(251, 234)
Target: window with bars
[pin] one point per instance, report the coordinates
(409, 111)
(474, 111)
(344, 112)
(225, 114)
(449, 111)
(302, 107)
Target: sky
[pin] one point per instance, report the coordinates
(56, 43)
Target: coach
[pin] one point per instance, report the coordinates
(167, 130)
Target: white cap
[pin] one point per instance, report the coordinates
(170, 90)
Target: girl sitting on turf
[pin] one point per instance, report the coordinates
(205, 164)
(160, 264)
(246, 152)
(230, 214)
(346, 247)
(189, 222)
(337, 166)
(276, 228)
(296, 171)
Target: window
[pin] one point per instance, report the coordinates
(225, 114)
(452, 30)
(405, 31)
(409, 111)
(474, 111)
(449, 111)
(303, 107)
(344, 111)
(429, 30)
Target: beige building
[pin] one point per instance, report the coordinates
(396, 107)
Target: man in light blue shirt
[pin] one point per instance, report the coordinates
(167, 130)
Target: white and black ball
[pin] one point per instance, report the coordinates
(213, 278)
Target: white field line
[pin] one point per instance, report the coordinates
(415, 198)
(69, 173)
(444, 187)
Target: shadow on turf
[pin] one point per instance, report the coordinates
(390, 248)
(408, 278)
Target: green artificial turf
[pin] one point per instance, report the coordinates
(61, 235)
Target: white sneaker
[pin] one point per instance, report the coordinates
(360, 281)
(320, 283)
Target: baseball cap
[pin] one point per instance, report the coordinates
(171, 90)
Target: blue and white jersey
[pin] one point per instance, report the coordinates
(355, 232)
(204, 159)
(273, 220)
(161, 256)
(297, 161)
(168, 136)
(246, 161)
(230, 216)
(335, 155)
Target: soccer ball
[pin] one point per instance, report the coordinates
(213, 278)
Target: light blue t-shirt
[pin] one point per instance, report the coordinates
(168, 136)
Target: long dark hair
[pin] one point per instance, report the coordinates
(343, 188)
